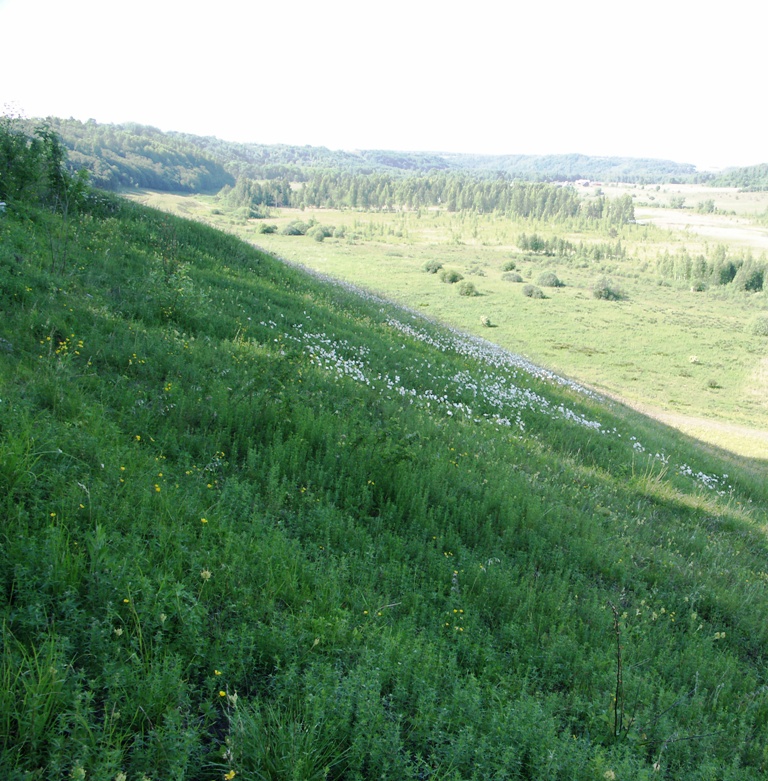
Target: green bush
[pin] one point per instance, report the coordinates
(531, 291)
(608, 291)
(294, 228)
(549, 279)
(510, 265)
(512, 276)
(432, 266)
(759, 325)
(467, 288)
(450, 277)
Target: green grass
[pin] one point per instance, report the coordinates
(257, 524)
(663, 347)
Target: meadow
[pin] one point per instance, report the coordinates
(694, 355)
(257, 524)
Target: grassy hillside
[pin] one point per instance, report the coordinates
(257, 525)
(680, 338)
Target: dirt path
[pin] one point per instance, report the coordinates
(740, 440)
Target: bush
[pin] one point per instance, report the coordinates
(533, 292)
(320, 232)
(295, 228)
(759, 325)
(450, 277)
(608, 291)
(549, 279)
(510, 265)
(264, 228)
(432, 266)
(467, 289)
(512, 276)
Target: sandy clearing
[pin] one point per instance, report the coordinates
(724, 228)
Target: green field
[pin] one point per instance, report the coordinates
(691, 358)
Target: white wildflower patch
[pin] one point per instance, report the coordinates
(499, 385)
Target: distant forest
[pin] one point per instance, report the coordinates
(258, 176)
(453, 192)
(753, 178)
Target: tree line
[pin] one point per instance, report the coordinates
(743, 271)
(452, 192)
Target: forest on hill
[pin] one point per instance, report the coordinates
(133, 155)
(752, 178)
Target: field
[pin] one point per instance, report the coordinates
(689, 357)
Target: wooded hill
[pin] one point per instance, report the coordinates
(753, 178)
(135, 155)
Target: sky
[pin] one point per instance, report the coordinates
(672, 79)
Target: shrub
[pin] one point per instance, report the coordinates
(264, 228)
(510, 265)
(320, 232)
(608, 291)
(549, 279)
(533, 292)
(512, 276)
(467, 288)
(432, 266)
(340, 232)
(759, 325)
(295, 228)
(450, 277)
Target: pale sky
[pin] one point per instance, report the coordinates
(675, 79)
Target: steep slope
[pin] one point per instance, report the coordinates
(260, 525)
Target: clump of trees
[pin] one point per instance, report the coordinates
(33, 168)
(562, 248)
(743, 272)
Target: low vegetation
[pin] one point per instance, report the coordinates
(262, 525)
